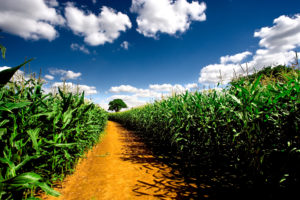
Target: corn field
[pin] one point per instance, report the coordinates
(42, 136)
(251, 127)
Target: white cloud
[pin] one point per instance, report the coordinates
(123, 88)
(77, 47)
(139, 96)
(191, 86)
(283, 36)
(49, 77)
(125, 45)
(278, 42)
(161, 87)
(97, 30)
(65, 74)
(219, 73)
(167, 88)
(94, 1)
(52, 3)
(104, 104)
(237, 58)
(166, 16)
(264, 58)
(146, 93)
(30, 19)
(74, 88)
(277, 47)
(137, 92)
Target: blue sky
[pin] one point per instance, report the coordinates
(139, 50)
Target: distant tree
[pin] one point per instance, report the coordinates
(117, 105)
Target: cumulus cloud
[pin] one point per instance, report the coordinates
(166, 16)
(167, 88)
(161, 87)
(97, 30)
(74, 88)
(283, 36)
(139, 96)
(191, 86)
(154, 90)
(219, 73)
(77, 47)
(136, 91)
(146, 93)
(278, 42)
(123, 88)
(49, 77)
(125, 45)
(65, 74)
(237, 58)
(52, 3)
(30, 19)
(277, 46)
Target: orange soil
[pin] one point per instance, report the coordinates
(121, 167)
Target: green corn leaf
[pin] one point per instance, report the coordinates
(48, 189)
(67, 117)
(61, 93)
(48, 114)
(65, 145)
(26, 160)
(34, 134)
(3, 131)
(23, 181)
(4, 122)
(67, 155)
(4, 109)
(12, 167)
(11, 106)
(81, 100)
(57, 118)
(254, 86)
(25, 178)
(6, 74)
(235, 99)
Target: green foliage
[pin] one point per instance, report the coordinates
(277, 73)
(117, 105)
(42, 136)
(6, 74)
(251, 127)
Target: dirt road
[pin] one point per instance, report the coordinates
(121, 167)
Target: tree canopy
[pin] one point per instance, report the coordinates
(116, 105)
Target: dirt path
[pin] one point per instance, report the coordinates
(121, 167)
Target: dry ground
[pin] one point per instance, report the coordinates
(121, 167)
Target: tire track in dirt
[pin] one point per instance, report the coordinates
(121, 167)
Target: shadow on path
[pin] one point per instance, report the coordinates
(166, 183)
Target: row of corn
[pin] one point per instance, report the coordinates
(42, 136)
(251, 127)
